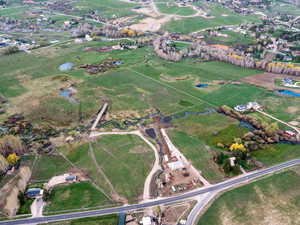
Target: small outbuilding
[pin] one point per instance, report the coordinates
(176, 165)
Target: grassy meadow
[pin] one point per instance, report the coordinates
(217, 16)
(75, 196)
(124, 159)
(273, 200)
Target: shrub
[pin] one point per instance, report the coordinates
(11, 50)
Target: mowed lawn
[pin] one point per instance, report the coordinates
(75, 196)
(272, 200)
(125, 159)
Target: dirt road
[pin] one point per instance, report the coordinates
(156, 167)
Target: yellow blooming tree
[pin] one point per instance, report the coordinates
(237, 146)
(12, 159)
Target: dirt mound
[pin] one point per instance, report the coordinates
(3, 164)
(9, 202)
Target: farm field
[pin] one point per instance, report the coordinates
(173, 9)
(200, 155)
(110, 8)
(273, 200)
(142, 84)
(88, 89)
(67, 197)
(125, 160)
(48, 166)
(219, 16)
(231, 38)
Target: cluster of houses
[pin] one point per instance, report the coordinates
(290, 82)
(38, 192)
(22, 45)
(247, 107)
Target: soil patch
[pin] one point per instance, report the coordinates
(174, 79)
(267, 80)
(292, 109)
(150, 24)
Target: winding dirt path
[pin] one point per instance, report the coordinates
(156, 167)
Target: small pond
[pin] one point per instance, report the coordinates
(66, 66)
(287, 92)
(202, 85)
(68, 94)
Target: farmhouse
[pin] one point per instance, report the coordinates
(176, 165)
(248, 106)
(34, 192)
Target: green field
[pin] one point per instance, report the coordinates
(198, 153)
(75, 196)
(35, 91)
(125, 160)
(102, 220)
(219, 16)
(233, 38)
(173, 9)
(108, 8)
(273, 200)
(48, 166)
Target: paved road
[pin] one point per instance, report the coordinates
(217, 187)
(201, 205)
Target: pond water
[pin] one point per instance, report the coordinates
(67, 94)
(66, 66)
(202, 85)
(287, 92)
(246, 125)
(185, 115)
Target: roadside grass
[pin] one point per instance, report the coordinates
(25, 207)
(75, 196)
(48, 166)
(101, 220)
(125, 159)
(272, 200)
(278, 153)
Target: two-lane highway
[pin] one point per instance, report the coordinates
(217, 187)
